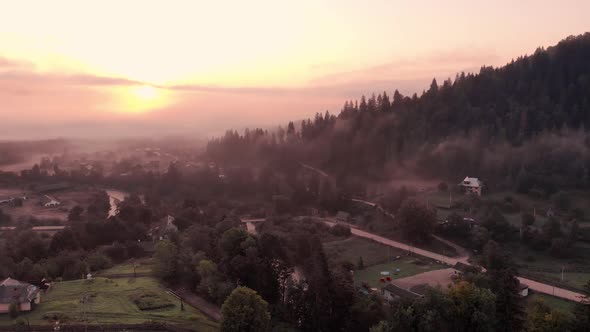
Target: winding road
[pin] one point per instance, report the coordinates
(464, 258)
(464, 254)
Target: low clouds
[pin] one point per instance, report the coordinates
(41, 104)
(6, 63)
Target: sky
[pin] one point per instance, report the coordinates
(150, 68)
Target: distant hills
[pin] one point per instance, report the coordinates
(524, 122)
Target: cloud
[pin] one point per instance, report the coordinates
(73, 79)
(435, 64)
(6, 63)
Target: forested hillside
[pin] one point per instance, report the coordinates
(523, 125)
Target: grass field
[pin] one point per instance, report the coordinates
(542, 264)
(111, 301)
(352, 248)
(143, 266)
(408, 266)
(551, 301)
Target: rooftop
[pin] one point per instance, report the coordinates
(403, 293)
(12, 290)
(471, 182)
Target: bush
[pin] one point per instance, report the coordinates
(13, 310)
(151, 301)
(561, 201)
(530, 258)
(56, 315)
(527, 219)
(98, 262)
(340, 230)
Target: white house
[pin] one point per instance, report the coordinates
(52, 202)
(20, 293)
(472, 185)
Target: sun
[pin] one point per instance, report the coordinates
(146, 92)
(142, 99)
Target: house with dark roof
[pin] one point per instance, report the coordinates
(22, 294)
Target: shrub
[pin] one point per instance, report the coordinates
(151, 301)
(527, 219)
(561, 200)
(340, 230)
(530, 258)
(98, 262)
(13, 310)
(56, 315)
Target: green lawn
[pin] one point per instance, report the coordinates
(144, 266)
(542, 264)
(551, 301)
(111, 301)
(572, 279)
(408, 266)
(352, 248)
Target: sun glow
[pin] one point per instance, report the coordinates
(146, 92)
(141, 99)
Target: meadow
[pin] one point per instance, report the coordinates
(101, 301)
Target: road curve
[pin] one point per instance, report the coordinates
(534, 285)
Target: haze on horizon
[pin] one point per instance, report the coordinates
(136, 68)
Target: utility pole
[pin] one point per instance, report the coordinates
(562, 269)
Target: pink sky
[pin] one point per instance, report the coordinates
(71, 68)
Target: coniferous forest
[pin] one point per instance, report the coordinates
(522, 126)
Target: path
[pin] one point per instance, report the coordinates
(317, 170)
(464, 254)
(36, 228)
(403, 246)
(551, 290)
(211, 310)
(534, 285)
(126, 275)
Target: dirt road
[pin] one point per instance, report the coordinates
(208, 308)
(534, 285)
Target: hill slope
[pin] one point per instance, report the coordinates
(521, 125)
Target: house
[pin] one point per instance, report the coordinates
(393, 293)
(471, 186)
(52, 202)
(523, 290)
(165, 227)
(22, 294)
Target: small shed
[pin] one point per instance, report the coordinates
(523, 290)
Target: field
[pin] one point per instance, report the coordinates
(408, 266)
(111, 301)
(553, 302)
(548, 268)
(350, 249)
(141, 266)
(32, 207)
(377, 258)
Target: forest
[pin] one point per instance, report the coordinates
(521, 126)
